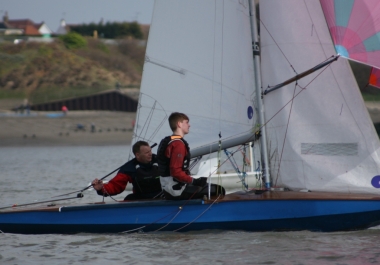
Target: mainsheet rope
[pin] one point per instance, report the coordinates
(180, 208)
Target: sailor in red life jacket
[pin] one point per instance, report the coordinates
(141, 171)
(173, 164)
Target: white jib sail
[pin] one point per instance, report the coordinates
(324, 139)
(199, 62)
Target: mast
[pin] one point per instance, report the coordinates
(260, 106)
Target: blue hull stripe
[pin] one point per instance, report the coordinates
(273, 215)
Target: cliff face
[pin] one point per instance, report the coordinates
(33, 70)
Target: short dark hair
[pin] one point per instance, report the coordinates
(176, 117)
(137, 145)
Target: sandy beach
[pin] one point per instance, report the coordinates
(81, 127)
(75, 128)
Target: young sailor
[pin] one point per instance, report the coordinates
(173, 164)
(141, 171)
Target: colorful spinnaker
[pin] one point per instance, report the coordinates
(355, 28)
(374, 78)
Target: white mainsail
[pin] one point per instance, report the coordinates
(199, 62)
(324, 139)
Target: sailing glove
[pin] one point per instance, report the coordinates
(199, 181)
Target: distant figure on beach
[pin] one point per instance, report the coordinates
(141, 171)
(27, 108)
(64, 110)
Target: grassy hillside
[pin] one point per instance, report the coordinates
(43, 72)
(47, 71)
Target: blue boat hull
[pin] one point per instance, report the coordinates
(249, 213)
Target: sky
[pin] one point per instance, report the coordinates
(78, 11)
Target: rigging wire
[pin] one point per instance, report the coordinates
(221, 69)
(286, 132)
(278, 46)
(313, 28)
(241, 174)
(291, 101)
(223, 85)
(149, 119)
(281, 109)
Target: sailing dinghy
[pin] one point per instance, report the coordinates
(287, 93)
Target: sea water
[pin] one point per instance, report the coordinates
(35, 173)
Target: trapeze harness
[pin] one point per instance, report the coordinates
(168, 183)
(145, 176)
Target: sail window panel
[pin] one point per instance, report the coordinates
(330, 149)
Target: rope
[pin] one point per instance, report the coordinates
(180, 209)
(171, 220)
(106, 192)
(141, 227)
(198, 215)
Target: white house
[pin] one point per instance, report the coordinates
(44, 29)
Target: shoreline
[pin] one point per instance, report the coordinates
(82, 128)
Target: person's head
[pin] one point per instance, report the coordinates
(179, 122)
(142, 152)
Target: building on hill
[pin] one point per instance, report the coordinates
(43, 29)
(25, 26)
(63, 28)
(6, 30)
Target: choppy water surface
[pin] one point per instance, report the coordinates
(30, 173)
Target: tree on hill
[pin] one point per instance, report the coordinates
(73, 40)
(110, 30)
